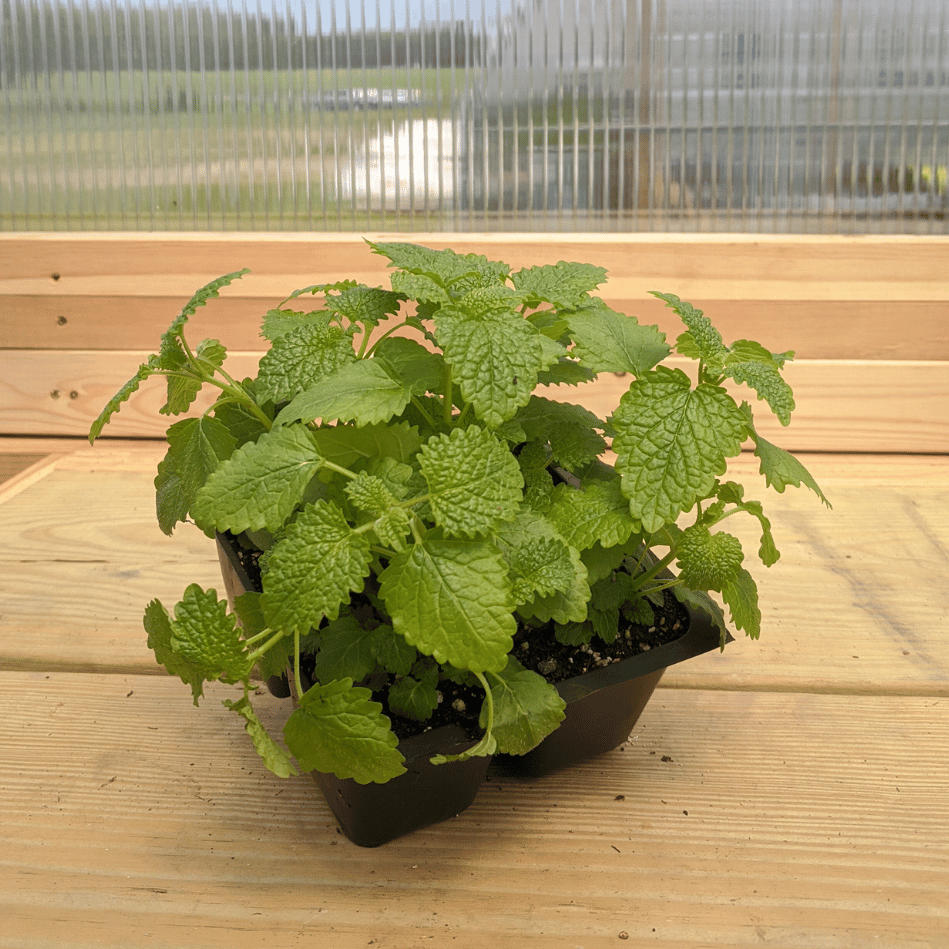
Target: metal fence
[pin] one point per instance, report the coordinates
(714, 115)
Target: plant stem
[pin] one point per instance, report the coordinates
(274, 639)
(297, 681)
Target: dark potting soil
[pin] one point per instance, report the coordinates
(536, 649)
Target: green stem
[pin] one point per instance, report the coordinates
(446, 397)
(297, 681)
(428, 418)
(641, 579)
(385, 335)
(270, 643)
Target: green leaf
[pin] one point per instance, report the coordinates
(708, 561)
(186, 382)
(302, 357)
(421, 370)
(243, 425)
(260, 484)
(444, 267)
(538, 559)
(474, 482)
(567, 428)
(274, 756)
(766, 380)
(158, 625)
(278, 323)
(115, 403)
(338, 729)
(313, 569)
(704, 341)
(196, 448)
(597, 514)
(392, 652)
(366, 305)
(206, 635)
(362, 391)
(415, 698)
(451, 599)
(351, 447)
(527, 709)
(607, 341)
(700, 601)
(562, 284)
(741, 598)
(779, 467)
(495, 360)
(347, 650)
(672, 442)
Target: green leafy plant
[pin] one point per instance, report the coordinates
(414, 502)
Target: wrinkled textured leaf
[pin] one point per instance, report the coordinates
(495, 361)
(300, 358)
(274, 756)
(741, 598)
(607, 341)
(597, 514)
(474, 481)
(708, 561)
(562, 284)
(313, 569)
(422, 370)
(338, 729)
(362, 392)
(158, 625)
(366, 305)
(260, 484)
(196, 448)
(766, 380)
(206, 638)
(672, 442)
(451, 599)
(115, 403)
(351, 447)
(415, 698)
(704, 341)
(568, 429)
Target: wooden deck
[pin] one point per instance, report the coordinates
(791, 793)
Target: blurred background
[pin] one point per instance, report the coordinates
(781, 116)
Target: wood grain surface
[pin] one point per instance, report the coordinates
(791, 792)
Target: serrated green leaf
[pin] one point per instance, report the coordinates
(705, 340)
(363, 392)
(474, 482)
(260, 484)
(347, 650)
(158, 625)
(568, 429)
(495, 360)
(274, 756)
(607, 341)
(243, 425)
(415, 698)
(115, 403)
(392, 652)
(708, 561)
(278, 323)
(302, 357)
(443, 267)
(539, 561)
(323, 288)
(766, 380)
(701, 602)
(350, 447)
(741, 598)
(196, 448)
(419, 287)
(527, 709)
(206, 637)
(671, 444)
(597, 514)
(562, 284)
(423, 371)
(451, 599)
(313, 569)
(565, 372)
(338, 729)
(366, 305)
(779, 467)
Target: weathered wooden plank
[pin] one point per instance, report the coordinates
(865, 406)
(855, 604)
(728, 819)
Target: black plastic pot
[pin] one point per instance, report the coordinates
(603, 706)
(373, 814)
